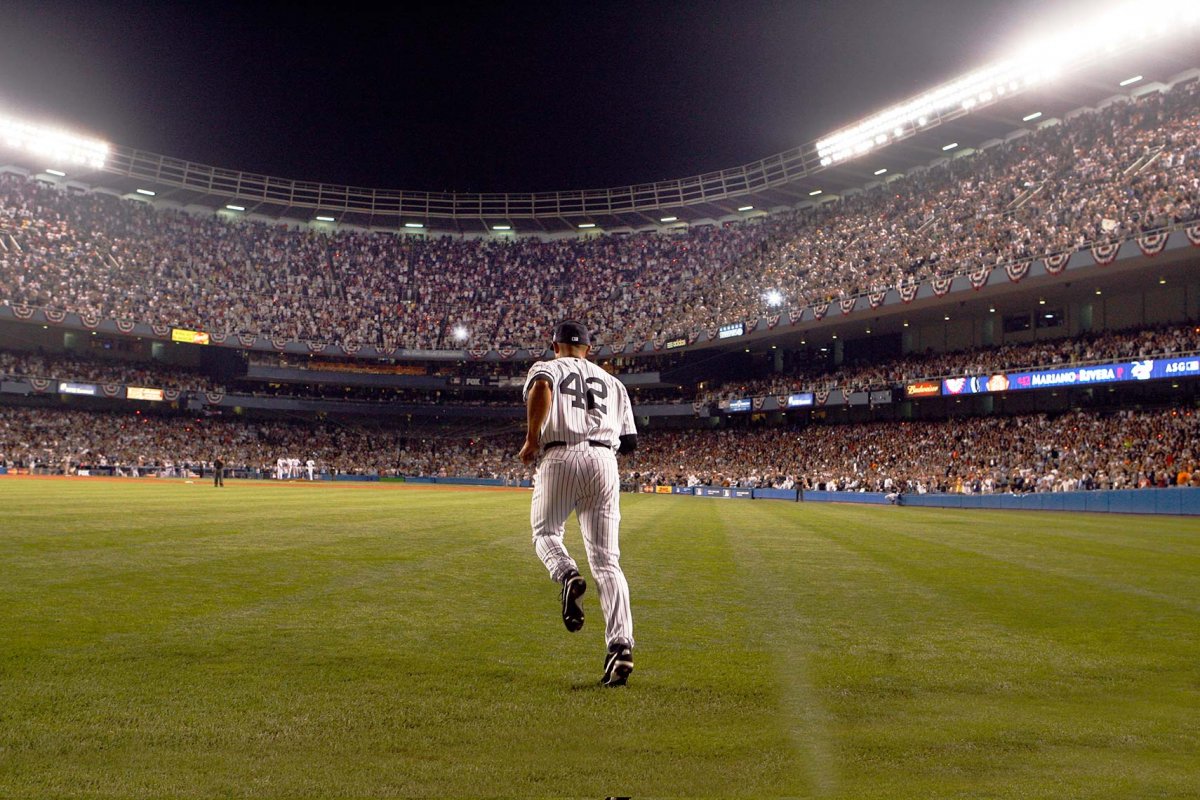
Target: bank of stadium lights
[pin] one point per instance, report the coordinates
(773, 298)
(414, 225)
(460, 333)
(147, 192)
(1130, 81)
(669, 219)
(881, 171)
(58, 173)
(814, 192)
(745, 208)
(949, 147)
(1031, 117)
(323, 218)
(502, 227)
(233, 207)
(1040, 60)
(587, 225)
(54, 144)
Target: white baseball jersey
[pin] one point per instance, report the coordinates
(589, 412)
(588, 404)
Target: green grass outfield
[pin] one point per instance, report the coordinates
(167, 639)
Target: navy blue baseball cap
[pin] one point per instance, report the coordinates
(571, 332)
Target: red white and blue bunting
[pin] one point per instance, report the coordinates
(111, 389)
(1193, 234)
(1057, 262)
(247, 339)
(219, 338)
(941, 285)
(125, 326)
(507, 352)
(315, 347)
(476, 354)
(279, 344)
(772, 321)
(795, 315)
(214, 398)
(821, 396)
(908, 291)
(979, 277)
(820, 310)
(876, 298)
(1016, 270)
(170, 395)
(1105, 252)
(161, 330)
(847, 304)
(751, 324)
(55, 315)
(758, 403)
(22, 311)
(40, 385)
(1153, 243)
(89, 321)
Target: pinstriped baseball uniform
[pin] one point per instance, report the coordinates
(589, 408)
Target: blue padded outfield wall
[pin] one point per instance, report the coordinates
(1178, 500)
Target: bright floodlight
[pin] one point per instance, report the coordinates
(1031, 117)
(460, 333)
(774, 297)
(1041, 60)
(54, 144)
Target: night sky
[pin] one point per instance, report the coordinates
(444, 95)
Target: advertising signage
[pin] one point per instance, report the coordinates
(741, 404)
(188, 337)
(678, 342)
(923, 389)
(1122, 372)
(88, 389)
(143, 393)
(800, 400)
(731, 330)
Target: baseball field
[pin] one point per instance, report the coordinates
(161, 638)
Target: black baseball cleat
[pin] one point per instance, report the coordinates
(618, 663)
(573, 587)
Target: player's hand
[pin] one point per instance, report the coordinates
(529, 452)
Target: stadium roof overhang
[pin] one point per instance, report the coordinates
(1002, 101)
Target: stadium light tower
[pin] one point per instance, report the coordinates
(1042, 59)
(460, 333)
(59, 147)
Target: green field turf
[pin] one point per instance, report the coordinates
(167, 639)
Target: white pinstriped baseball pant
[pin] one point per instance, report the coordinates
(584, 479)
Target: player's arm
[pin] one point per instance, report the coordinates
(628, 435)
(537, 409)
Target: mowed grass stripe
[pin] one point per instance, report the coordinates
(159, 638)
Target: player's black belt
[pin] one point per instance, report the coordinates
(591, 443)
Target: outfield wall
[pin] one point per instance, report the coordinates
(1175, 500)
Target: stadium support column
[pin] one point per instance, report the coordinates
(837, 352)
(987, 331)
(778, 364)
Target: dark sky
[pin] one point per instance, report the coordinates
(443, 95)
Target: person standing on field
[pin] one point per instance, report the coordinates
(218, 472)
(578, 419)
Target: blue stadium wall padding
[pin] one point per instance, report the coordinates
(1176, 501)
(470, 481)
(418, 479)
(873, 498)
(3, 470)
(724, 492)
(776, 494)
(357, 478)
(681, 490)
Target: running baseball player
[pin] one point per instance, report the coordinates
(578, 419)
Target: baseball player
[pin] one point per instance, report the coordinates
(579, 418)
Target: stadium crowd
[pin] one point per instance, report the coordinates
(1102, 175)
(1035, 453)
